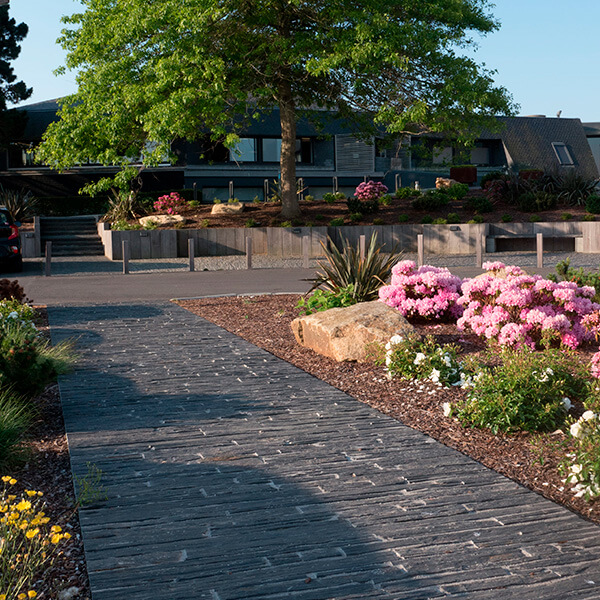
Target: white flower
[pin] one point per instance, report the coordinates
(13, 315)
(588, 415)
(447, 408)
(435, 375)
(549, 371)
(388, 360)
(388, 346)
(419, 358)
(396, 339)
(575, 429)
(576, 468)
(567, 403)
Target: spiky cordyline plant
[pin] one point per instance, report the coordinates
(346, 267)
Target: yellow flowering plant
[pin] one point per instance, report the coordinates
(28, 542)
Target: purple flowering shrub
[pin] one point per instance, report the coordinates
(170, 203)
(515, 309)
(427, 292)
(370, 190)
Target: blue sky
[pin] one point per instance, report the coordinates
(546, 53)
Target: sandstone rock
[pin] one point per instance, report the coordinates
(343, 333)
(442, 183)
(232, 208)
(162, 219)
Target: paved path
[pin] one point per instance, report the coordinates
(231, 474)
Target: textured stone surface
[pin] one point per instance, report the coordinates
(228, 208)
(162, 220)
(345, 333)
(442, 183)
(232, 475)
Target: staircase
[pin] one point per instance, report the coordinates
(71, 236)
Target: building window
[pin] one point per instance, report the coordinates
(562, 153)
(304, 151)
(271, 149)
(243, 151)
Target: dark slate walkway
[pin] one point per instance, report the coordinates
(233, 475)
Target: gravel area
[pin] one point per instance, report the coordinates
(530, 459)
(100, 265)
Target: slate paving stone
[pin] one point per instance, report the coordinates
(232, 475)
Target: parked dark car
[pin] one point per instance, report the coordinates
(10, 243)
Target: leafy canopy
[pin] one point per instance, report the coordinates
(165, 69)
(11, 90)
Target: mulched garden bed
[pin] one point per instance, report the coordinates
(48, 469)
(530, 459)
(319, 213)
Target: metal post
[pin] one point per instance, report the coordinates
(305, 251)
(248, 253)
(362, 244)
(191, 253)
(335, 185)
(479, 241)
(398, 181)
(230, 189)
(125, 251)
(420, 250)
(195, 188)
(539, 239)
(266, 189)
(48, 259)
(300, 186)
(365, 177)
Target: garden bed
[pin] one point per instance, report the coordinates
(319, 213)
(531, 459)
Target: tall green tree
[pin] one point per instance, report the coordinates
(156, 70)
(11, 90)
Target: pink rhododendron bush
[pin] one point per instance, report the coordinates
(427, 292)
(515, 309)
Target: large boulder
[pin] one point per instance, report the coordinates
(344, 333)
(231, 208)
(162, 220)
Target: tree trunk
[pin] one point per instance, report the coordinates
(287, 114)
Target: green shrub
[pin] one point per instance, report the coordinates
(151, 224)
(320, 217)
(366, 207)
(565, 272)
(589, 217)
(457, 191)
(122, 225)
(573, 188)
(286, 224)
(325, 299)
(566, 216)
(439, 221)
(255, 200)
(416, 358)
(592, 204)
(337, 222)
(536, 201)
(355, 217)
(194, 203)
(329, 198)
(476, 219)
(427, 220)
(403, 218)
(28, 363)
(404, 193)
(378, 221)
(431, 200)
(453, 218)
(493, 176)
(479, 204)
(340, 196)
(309, 198)
(250, 223)
(385, 200)
(506, 218)
(233, 201)
(535, 219)
(204, 224)
(346, 267)
(21, 204)
(523, 393)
